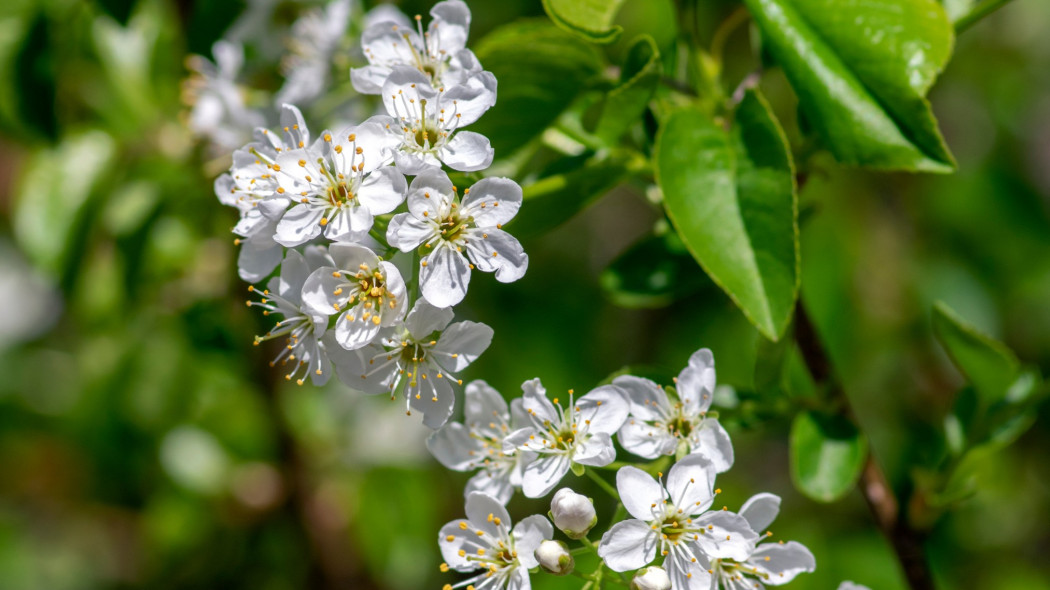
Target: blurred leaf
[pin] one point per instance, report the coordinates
(553, 200)
(655, 272)
(986, 362)
(732, 199)
(51, 197)
(770, 363)
(827, 455)
(861, 70)
(590, 19)
(639, 78)
(35, 78)
(541, 70)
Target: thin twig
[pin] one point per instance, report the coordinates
(882, 502)
(977, 13)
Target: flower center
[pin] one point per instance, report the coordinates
(453, 227)
(680, 425)
(339, 193)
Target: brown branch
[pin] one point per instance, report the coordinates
(907, 542)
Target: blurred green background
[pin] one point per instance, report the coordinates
(145, 443)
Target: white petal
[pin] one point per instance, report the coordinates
(366, 369)
(453, 447)
(294, 271)
(543, 474)
(536, 404)
(483, 510)
(782, 562)
(406, 233)
(319, 292)
(413, 163)
(255, 264)
(299, 225)
(424, 319)
(712, 441)
(606, 409)
(384, 41)
(430, 194)
(463, 540)
(404, 89)
(645, 440)
(398, 293)
(729, 536)
(528, 534)
(467, 102)
(597, 451)
(494, 250)
(647, 399)
(352, 335)
(461, 344)
(517, 439)
(433, 396)
(696, 382)
(350, 257)
(638, 492)
(482, 405)
(450, 26)
(691, 483)
(519, 580)
(369, 79)
(628, 545)
(501, 198)
(373, 140)
(446, 276)
(686, 574)
(761, 510)
(467, 152)
(382, 190)
(492, 482)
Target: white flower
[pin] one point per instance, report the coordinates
(658, 426)
(673, 519)
(301, 328)
(770, 563)
(338, 185)
(440, 53)
(459, 235)
(425, 121)
(580, 434)
(847, 585)
(651, 578)
(573, 513)
(251, 187)
(554, 558)
(315, 37)
(367, 292)
(410, 358)
(486, 541)
(218, 110)
(478, 443)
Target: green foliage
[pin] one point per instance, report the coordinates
(589, 19)
(827, 455)
(986, 362)
(653, 273)
(861, 70)
(541, 70)
(639, 77)
(732, 198)
(552, 200)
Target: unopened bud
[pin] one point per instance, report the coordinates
(554, 557)
(573, 513)
(651, 578)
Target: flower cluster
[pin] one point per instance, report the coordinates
(371, 262)
(675, 538)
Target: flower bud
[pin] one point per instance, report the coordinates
(651, 578)
(554, 557)
(573, 513)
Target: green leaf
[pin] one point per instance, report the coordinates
(827, 455)
(861, 69)
(987, 363)
(553, 200)
(655, 272)
(732, 199)
(590, 19)
(639, 78)
(541, 70)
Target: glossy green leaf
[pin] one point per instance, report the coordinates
(655, 272)
(590, 19)
(638, 81)
(861, 69)
(541, 70)
(827, 455)
(986, 362)
(731, 196)
(553, 200)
